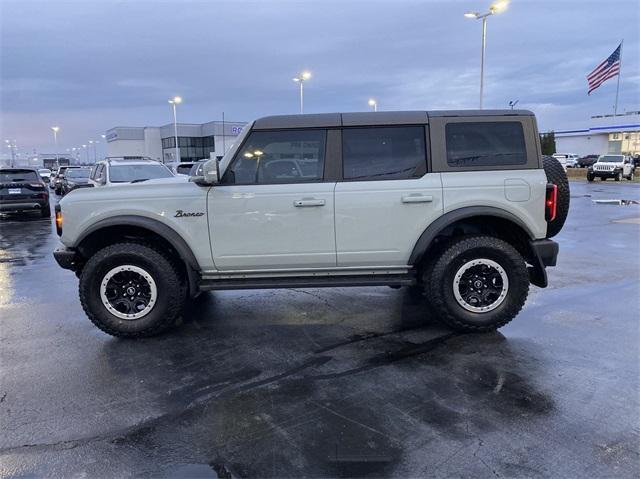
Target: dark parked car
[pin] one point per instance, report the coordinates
(57, 181)
(22, 189)
(587, 161)
(75, 178)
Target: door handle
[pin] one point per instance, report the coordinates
(413, 198)
(305, 202)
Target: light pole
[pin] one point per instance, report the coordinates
(12, 145)
(373, 103)
(497, 7)
(176, 100)
(300, 79)
(95, 154)
(86, 151)
(56, 129)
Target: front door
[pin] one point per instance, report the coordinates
(273, 209)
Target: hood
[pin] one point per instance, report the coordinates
(132, 192)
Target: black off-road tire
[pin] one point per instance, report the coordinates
(557, 176)
(171, 290)
(631, 175)
(439, 283)
(618, 176)
(590, 178)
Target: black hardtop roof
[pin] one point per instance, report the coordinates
(370, 118)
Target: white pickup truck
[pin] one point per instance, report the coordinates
(458, 204)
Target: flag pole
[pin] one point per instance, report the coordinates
(615, 108)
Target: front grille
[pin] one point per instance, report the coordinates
(602, 168)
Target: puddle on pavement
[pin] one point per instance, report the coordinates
(616, 202)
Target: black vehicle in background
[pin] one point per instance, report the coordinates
(56, 182)
(22, 189)
(75, 178)
(587, 161)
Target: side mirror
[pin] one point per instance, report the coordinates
(211, 172)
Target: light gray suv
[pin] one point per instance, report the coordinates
(459, 205)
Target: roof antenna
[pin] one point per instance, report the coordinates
(513, 103)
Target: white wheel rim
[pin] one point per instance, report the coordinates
(480, 285)
(128, 292)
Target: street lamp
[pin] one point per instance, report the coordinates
(86, 151)
(300, 79)
(497, 7)
(12, 145)
(176, 100)
(373, 103)
(56, 129)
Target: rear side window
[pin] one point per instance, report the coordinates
(386, 153)
(485, 144)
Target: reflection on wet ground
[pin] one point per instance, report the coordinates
(357, 382)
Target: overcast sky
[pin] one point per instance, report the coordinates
(88, 65)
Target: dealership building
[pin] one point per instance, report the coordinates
(195, 141)
(603, 134)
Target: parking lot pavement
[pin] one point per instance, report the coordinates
(335, 382)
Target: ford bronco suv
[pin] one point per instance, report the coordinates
(458, 205)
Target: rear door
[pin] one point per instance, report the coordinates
(274, 209)
(386, 197)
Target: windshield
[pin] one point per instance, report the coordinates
(18, 175)
(78, 173)
(610, 158)
(127, 173)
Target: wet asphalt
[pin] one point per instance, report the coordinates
(352, 382)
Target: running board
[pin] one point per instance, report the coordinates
(397, 280)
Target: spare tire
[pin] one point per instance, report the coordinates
(557, 176)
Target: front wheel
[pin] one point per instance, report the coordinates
(478, 283)
(619, 176)
(590, 178)
(131, 290)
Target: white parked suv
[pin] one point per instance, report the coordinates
(118, 170)
(612, 166)
(457, 204)
(568, 160)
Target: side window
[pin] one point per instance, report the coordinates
(99, 174)
(485, 144)
(384, 153)
(285, 156)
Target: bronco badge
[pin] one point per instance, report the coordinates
(182, 214)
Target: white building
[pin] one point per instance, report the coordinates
(605, 134)
(196, 141)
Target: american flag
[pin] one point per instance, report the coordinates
(607, 69)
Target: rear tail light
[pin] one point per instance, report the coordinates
(58, 220)
(551, 202)
(36, 185)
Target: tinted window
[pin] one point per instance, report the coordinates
(383, 153)
(292, 156)
(485, 144)
(18, 175)
(126, 173)
(184, 169)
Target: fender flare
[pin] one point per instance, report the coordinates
(435, 228)
(168, 233)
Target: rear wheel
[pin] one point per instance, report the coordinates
(131, 290)
(477, 284)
